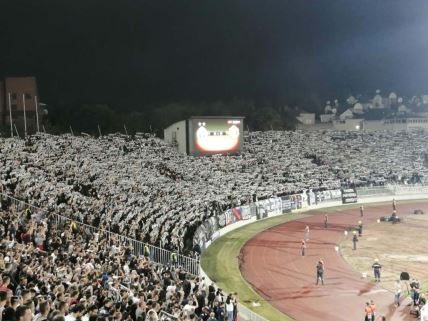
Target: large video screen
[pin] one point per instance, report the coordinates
(209, 136)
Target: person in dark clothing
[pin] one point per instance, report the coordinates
(320, 272)
(360, 228)
(219, 310)
(376, 270)
(211, 295)
(354, 241)
(186, 287)
(200, 297)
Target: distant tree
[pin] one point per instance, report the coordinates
(265, 119)
(88, 117)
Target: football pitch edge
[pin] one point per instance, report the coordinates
(220, 263)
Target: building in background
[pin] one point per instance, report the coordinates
(15, 94)
(391, 112)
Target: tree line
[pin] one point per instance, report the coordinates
(87, 117)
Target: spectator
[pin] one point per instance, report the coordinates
(23, 313)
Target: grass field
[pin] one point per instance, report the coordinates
(221, 264)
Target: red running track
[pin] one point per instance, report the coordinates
(273, 265)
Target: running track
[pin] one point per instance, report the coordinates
(272, 264)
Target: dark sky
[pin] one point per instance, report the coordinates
(143, 52)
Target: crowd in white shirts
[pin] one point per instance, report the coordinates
(140, 187)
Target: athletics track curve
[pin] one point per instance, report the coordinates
(272, 264)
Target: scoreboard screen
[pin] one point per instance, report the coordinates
(209, 136)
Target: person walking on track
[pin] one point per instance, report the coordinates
(306, 234)
(320, 271)
(325, 221)
(303, 247)
(394, 204)
(361, 211)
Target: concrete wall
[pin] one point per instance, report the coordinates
(349, 124)
(19, 86)
(176, 135)
(396, 125)
(326, 118)
(306, 118)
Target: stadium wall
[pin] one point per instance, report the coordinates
(176, 135)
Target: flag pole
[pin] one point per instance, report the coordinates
(37, 113)
(25, 116)
(16, 130)
(10, 118)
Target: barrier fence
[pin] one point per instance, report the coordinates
(248, 314)
(375, 191)
(156, 254)
(391, 190)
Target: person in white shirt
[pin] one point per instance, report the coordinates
(76, 312)
(44, 311)
(397, 292)
(190, 308)
(229, 307)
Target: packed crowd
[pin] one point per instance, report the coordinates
(141, 187)
(66, 274)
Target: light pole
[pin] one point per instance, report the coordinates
(10, 117)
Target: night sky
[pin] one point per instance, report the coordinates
(150, 52)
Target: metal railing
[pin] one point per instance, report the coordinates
(249, 315)
(375, 191)
(156, 254)
(408, 189)
(391, 190)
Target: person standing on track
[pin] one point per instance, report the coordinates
(394, 204)
(360, 228)
(361, 211)
(325, 221)
(320, 271)
(306, 234)
(373, 307)
(376, 270)
(397, 293)
(368, 312)
(303, 247)
(354, 240)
